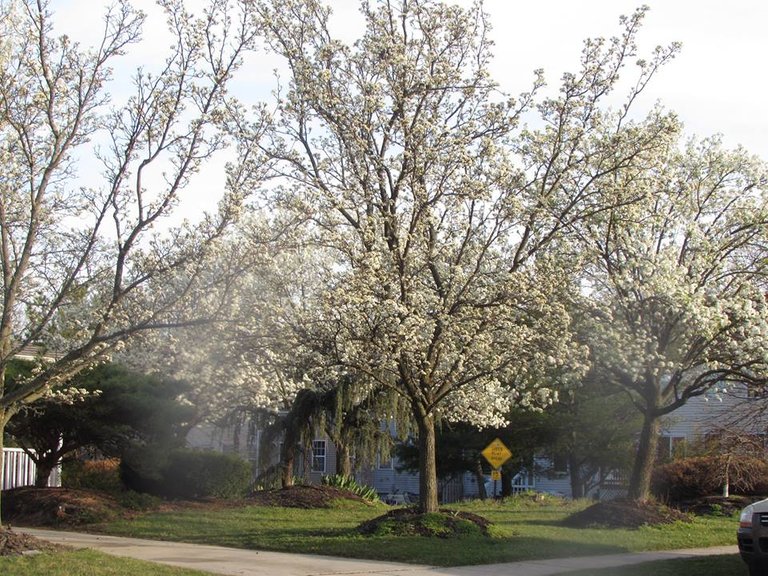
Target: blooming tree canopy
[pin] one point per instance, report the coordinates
(85, 268)
(250, 356)
(409, 165)
(676, 288)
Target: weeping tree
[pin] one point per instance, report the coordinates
(84, 269)
(408, 164)
(359, 427)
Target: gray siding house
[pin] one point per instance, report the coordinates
(702, 416)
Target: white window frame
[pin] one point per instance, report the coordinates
(317, 457)
(385, 463)
(670, 443)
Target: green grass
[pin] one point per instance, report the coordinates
(85, 563)
(730, 565)
(522, 531)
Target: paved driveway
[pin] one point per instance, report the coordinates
(219, 560)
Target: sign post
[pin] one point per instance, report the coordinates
(496, 453)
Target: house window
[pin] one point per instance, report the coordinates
(318, 456)
(671, 447)
(560, 464)
(385, 460)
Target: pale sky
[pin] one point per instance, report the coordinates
(717, 84)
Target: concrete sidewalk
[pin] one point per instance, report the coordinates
(232, 561)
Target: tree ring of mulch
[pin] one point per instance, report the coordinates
(303, 497)
(17, 544)
(30, 506)
(625, 513)
(411, 522)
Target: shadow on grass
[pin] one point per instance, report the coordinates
(728, 565)
(434, 551)
(448, 551)
(554, 523)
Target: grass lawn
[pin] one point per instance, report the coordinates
(85, 563)
(730, 565)
(523, 530)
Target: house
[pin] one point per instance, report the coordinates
(700, 418)
(731, 413)
(320, 460)
(736, 411)
(312, 465)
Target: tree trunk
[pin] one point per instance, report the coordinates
(288, 457)
(3, 421)
(43, 468)
(6, 413)
(343, 459)
(577, 481)
(427, 464)
(645, 458)
(480, 479)
(237, 428)
(506, 482)
(307, 460)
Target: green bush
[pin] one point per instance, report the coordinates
(350, 484)
(142, 469)
(199, 474)
(186, 474)
(138, 501)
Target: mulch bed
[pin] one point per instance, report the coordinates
(625, 514)
(29, 506)
(303, 497)
(715, 505)
(15, 544)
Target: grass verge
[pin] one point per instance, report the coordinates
(85, 563)
(522, 530)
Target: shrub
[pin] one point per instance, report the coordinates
(101, 475)
(350, 484)
(142, 469)
(692, 478)
(138, 501)
(199, 474)
(186, 474)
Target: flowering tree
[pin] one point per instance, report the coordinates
(251, 356)
(677, 287)
(408, 165)
(84, 269)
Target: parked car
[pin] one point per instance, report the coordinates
(752, 537)
(397, 499)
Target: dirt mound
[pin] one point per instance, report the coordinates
(625, 514)
(16, 544)
(411, 522)
(303, 497)
(29, 506)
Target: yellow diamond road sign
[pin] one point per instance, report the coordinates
(496, 453)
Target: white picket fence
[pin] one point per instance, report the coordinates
(19, 470)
